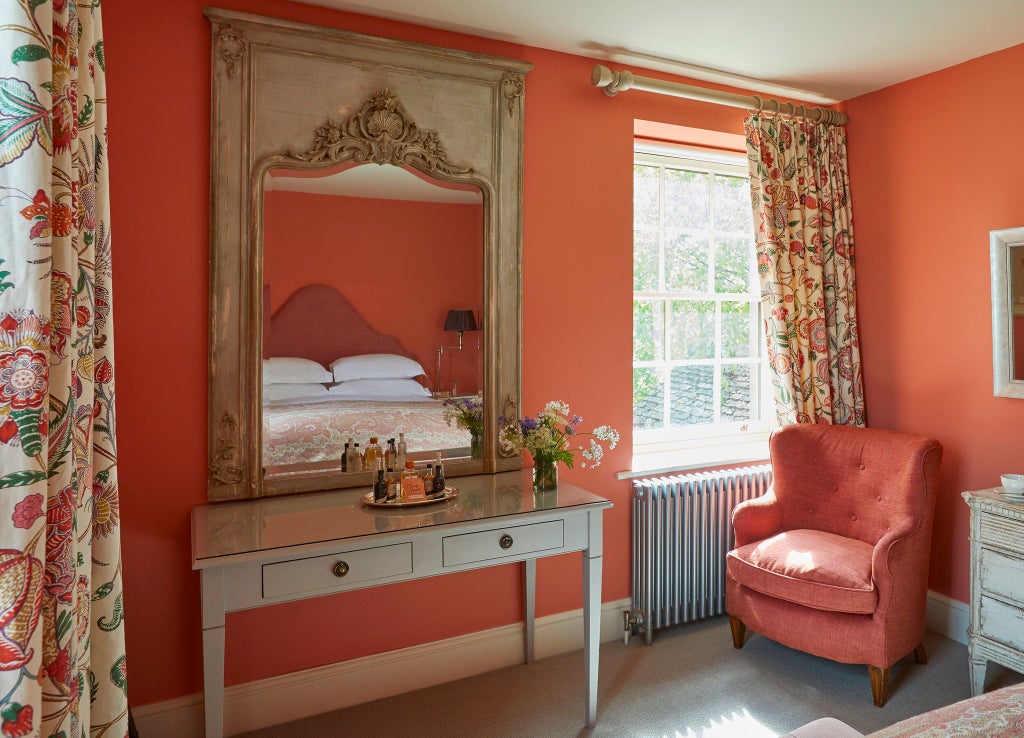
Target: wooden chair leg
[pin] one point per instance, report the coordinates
(739, 631)
(879, 682)
(920, 657)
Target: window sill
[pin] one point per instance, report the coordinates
(689, 459)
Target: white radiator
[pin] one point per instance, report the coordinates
(682, 531)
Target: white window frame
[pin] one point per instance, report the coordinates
(703, 445)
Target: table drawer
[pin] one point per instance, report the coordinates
(336, 571)
(1002, 532)
(1002, 622)
(501, 542)
(1002, 575)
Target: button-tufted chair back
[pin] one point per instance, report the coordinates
(853, 482)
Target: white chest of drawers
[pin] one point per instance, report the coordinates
(996, 632)
(262, 552)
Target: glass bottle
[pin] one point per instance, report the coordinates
(357, 459)
(439, 482)
(403, 451)
(428, 480)
(372, 453)
(394, 486)
(380, 487)
(351, 455)
(391, 455)
(344, 458)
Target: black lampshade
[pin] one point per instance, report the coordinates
(460, 320)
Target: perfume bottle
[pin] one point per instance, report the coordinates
(391, 455)
(357, 459)
(344, 458)
(372, 453)
(380, 487)
(428, 480)
(403, 451)
(439, 482)
(351, 456)
(394, 486)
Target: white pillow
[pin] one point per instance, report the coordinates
(293, 370)
(274, 392)
(379, 389)
(375, 366)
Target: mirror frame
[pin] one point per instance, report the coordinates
(253, 60)
(1000, 243)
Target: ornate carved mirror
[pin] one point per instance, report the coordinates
(365, 198)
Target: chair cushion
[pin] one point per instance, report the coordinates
(809, 567)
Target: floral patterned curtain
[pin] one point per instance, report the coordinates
(62, 652)
(800, 190)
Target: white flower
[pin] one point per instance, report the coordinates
(607, 433)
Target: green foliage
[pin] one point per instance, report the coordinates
(4, 284)
(29, 52)
(101, 56)
(28, 429)
(23, 119)
(21, 479)
(116, 617)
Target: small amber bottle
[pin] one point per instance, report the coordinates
(428, 480)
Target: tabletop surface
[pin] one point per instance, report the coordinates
(228, 529)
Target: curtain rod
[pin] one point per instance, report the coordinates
(615, 82)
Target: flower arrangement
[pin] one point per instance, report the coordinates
(547, 436)
(466, 412)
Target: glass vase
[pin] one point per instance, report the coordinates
(545, 473)
(476, 444)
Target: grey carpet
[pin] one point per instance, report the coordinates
(690, 683)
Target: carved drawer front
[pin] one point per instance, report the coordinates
(502, 542)
(1003, 532)
(336, 571)
(1002, 622)
(1002, 575)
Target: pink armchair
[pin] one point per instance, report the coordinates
(833, 560)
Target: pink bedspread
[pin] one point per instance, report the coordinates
(302, 433)
(998, 714)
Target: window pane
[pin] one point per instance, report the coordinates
(733, 258)
(736, 393)
(693, 329)
(687, 196)
(692, 395)
(648, 330)
(732, 205)
(645, 261)
(645, 196)
(686, 263)
(736, 331)
(648, 398)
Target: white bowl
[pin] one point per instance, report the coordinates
(1013, 483)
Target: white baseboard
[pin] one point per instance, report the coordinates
(948, 617)
(288, 697)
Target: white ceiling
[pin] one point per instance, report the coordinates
(836, 48)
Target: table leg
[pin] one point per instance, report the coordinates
(591, 628)
(977, 665)
(529, 604)
(212, 582)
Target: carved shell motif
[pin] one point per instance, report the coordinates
(380, 132)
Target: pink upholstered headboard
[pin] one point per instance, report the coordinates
(318, 323)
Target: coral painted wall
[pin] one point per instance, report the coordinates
(366, 248)
(936, 164)
(577, 329)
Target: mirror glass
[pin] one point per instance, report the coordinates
(362, 268)
(1016, 275)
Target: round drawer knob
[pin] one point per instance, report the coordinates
(505, 541)
(340, 569)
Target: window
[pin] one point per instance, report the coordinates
(699, 376)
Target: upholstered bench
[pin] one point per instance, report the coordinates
(998, 713)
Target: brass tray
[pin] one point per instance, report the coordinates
(449, 493)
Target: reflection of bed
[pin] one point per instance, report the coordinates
(318, 323)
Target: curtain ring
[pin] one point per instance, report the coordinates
(760, 104)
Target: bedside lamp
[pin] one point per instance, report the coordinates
(459, 321)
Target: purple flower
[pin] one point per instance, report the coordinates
(576, 420)
(528, 424)
(570, 431)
